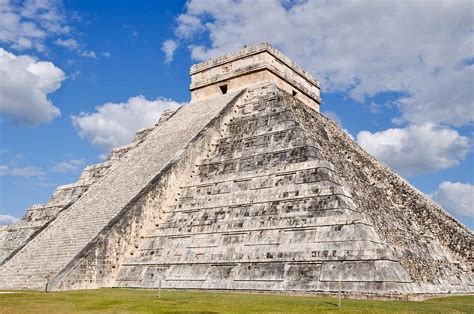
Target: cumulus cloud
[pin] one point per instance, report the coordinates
(33, 24)
(114, 124)
(89, 54)
(72, 44)
(26, 172)
(444, 98)
(24, 88)
(69, 43)
(27, 24)
(14, 167)
(430, 66)
(8, 220)
(416, 149)
(169, 47)
(457, 198)
(72, 165)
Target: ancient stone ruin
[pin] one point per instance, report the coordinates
(247, 187)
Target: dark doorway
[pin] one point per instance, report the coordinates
(223, 89)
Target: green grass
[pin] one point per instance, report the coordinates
(172, 301)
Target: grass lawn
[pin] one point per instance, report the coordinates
(145, 301)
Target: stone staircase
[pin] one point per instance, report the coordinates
(37, 217)
(58, 244)
(264, 211)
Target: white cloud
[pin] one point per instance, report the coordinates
(69, 43)
(25, 85)
(189, 24)
(27, 24)
(89, 54)
(115, 124)
(416, 149)
(68, 166)
(13, 169)
(72, 44)
(27, 172)
(21, 171)
(457, 198)
(169, 47)
(32, 24)
(360, 47)
(8, 220)
(444, 98)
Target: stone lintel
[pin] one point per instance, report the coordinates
(250, 66)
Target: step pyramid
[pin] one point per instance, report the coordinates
(38, 217)
(247, 187)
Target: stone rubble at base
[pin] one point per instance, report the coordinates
(251, 190)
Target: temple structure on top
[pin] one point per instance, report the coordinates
(247, 187)
(250, 66)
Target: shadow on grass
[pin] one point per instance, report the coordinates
(331, 303)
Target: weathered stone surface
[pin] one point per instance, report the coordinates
(267, 210)
(250, 190)
(252, 66)
(239, 212)
(14, 237)
(52, 249)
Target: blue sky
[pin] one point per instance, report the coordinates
(79, 77)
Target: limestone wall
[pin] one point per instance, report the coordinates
(262, 193)
(263, 210)
(432, 246)
(55, 246)
(98, 264)
(37, 217)
(268, 208)
(252, 66)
